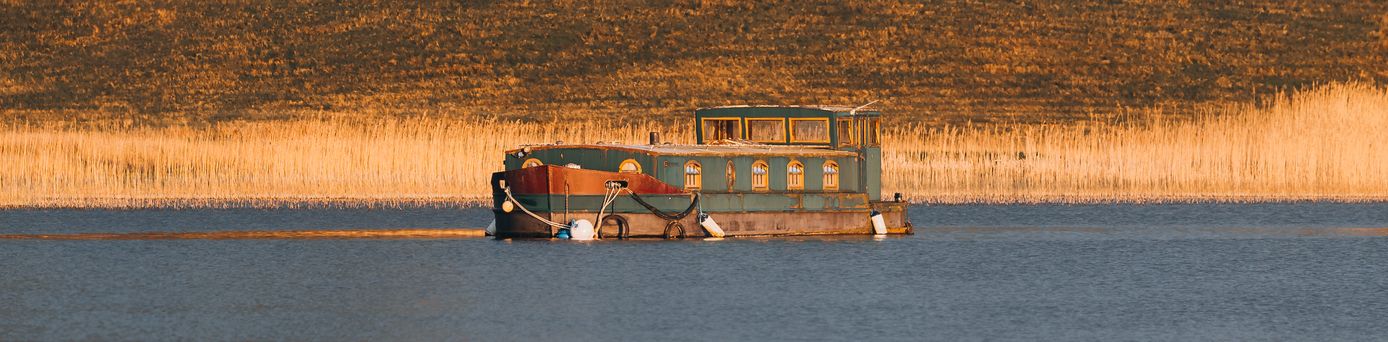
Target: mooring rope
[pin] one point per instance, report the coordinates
(608, 199)
(613, 191)
(507, 190)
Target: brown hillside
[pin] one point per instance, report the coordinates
(953, 61)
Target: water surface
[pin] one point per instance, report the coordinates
(1170, 272)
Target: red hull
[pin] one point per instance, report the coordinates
(550, 179)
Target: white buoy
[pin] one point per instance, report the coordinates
(711, 227)
(581, 230)
(491, 228)
(879, 224)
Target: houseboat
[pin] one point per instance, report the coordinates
(753, 171)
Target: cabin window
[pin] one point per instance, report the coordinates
(812, 130)
(759, 176)
(846, 132)
(532, 162)
(629, 166)
(831, 175)
(693, 179)
(766, 130)
(873, 127)
(795, 176)
(732, 175)
(722, 129)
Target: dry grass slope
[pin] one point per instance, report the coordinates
(941, 62)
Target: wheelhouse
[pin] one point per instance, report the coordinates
(833, 127)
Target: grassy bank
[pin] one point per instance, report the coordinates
(1327, 143)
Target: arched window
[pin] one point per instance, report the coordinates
(732, 175)
(532, 162)
(693, 175)
(831, 175)
(795, 176)
(629, 166)
(759, 176)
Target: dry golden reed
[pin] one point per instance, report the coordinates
(1328, 143)
(333, 161)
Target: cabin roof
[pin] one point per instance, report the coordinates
(707, 150)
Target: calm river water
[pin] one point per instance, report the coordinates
(1048, 272)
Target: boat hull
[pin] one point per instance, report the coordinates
(645, 225)
(561, 195)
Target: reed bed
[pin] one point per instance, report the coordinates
(1327, 143)
(332, 162)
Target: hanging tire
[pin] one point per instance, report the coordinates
(614, 226)
(674, 230)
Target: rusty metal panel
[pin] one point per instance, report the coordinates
(794, 223)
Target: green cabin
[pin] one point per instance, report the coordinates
(746, 150)
(835, 128)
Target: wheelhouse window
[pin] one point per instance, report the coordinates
(693, 179)
(795, 176)
(629, 166)
(766, 130)
(732, 175)
(846, 132)
(722, 129)
(759, 176)
(812, 130)
(831, 175)
(532, 162)
(874, 126)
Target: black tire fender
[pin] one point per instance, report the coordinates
(674, 230)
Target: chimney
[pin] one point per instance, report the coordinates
(655, 138)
